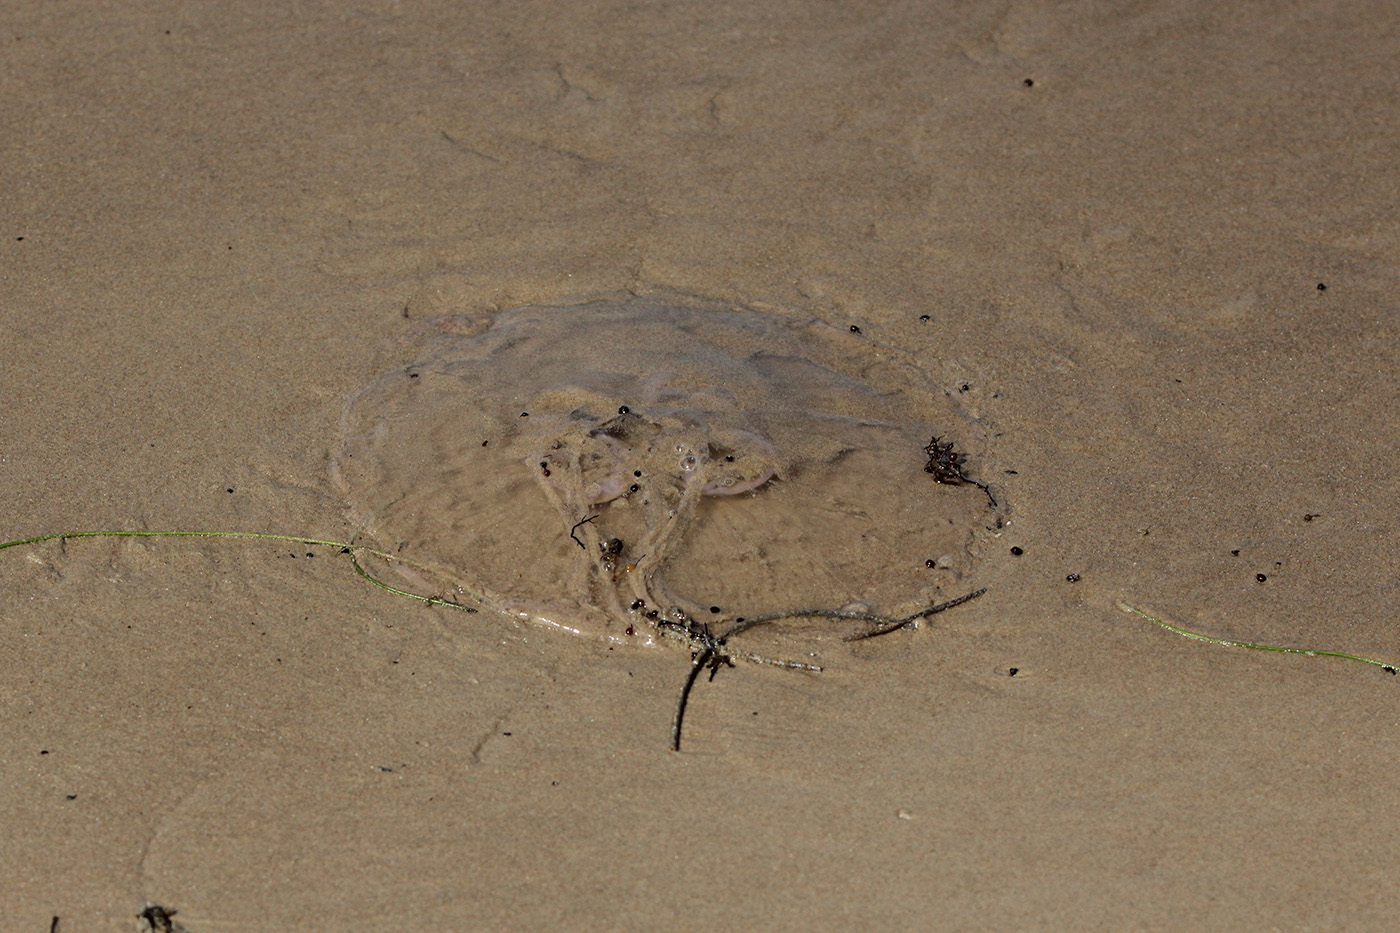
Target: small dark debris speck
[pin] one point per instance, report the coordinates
(158, 919)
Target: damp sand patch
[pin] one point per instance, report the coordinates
(628, 469)
(646, 469)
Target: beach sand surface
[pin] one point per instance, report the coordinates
(1149, 249)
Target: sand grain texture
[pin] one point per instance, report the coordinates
(1103, 228)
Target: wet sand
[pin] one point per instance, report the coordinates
(1153, 250)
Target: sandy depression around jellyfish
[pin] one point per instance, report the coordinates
(596, 466)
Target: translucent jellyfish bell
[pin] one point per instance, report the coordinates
(567, 464)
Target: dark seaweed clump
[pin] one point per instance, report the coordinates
(946, 466)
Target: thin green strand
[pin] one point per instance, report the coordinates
(1231, 643)
(350, 548)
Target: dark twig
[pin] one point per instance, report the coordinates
(712, 651)
(696, 666)
(895, 624)
(707, 651)
(576, 527)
